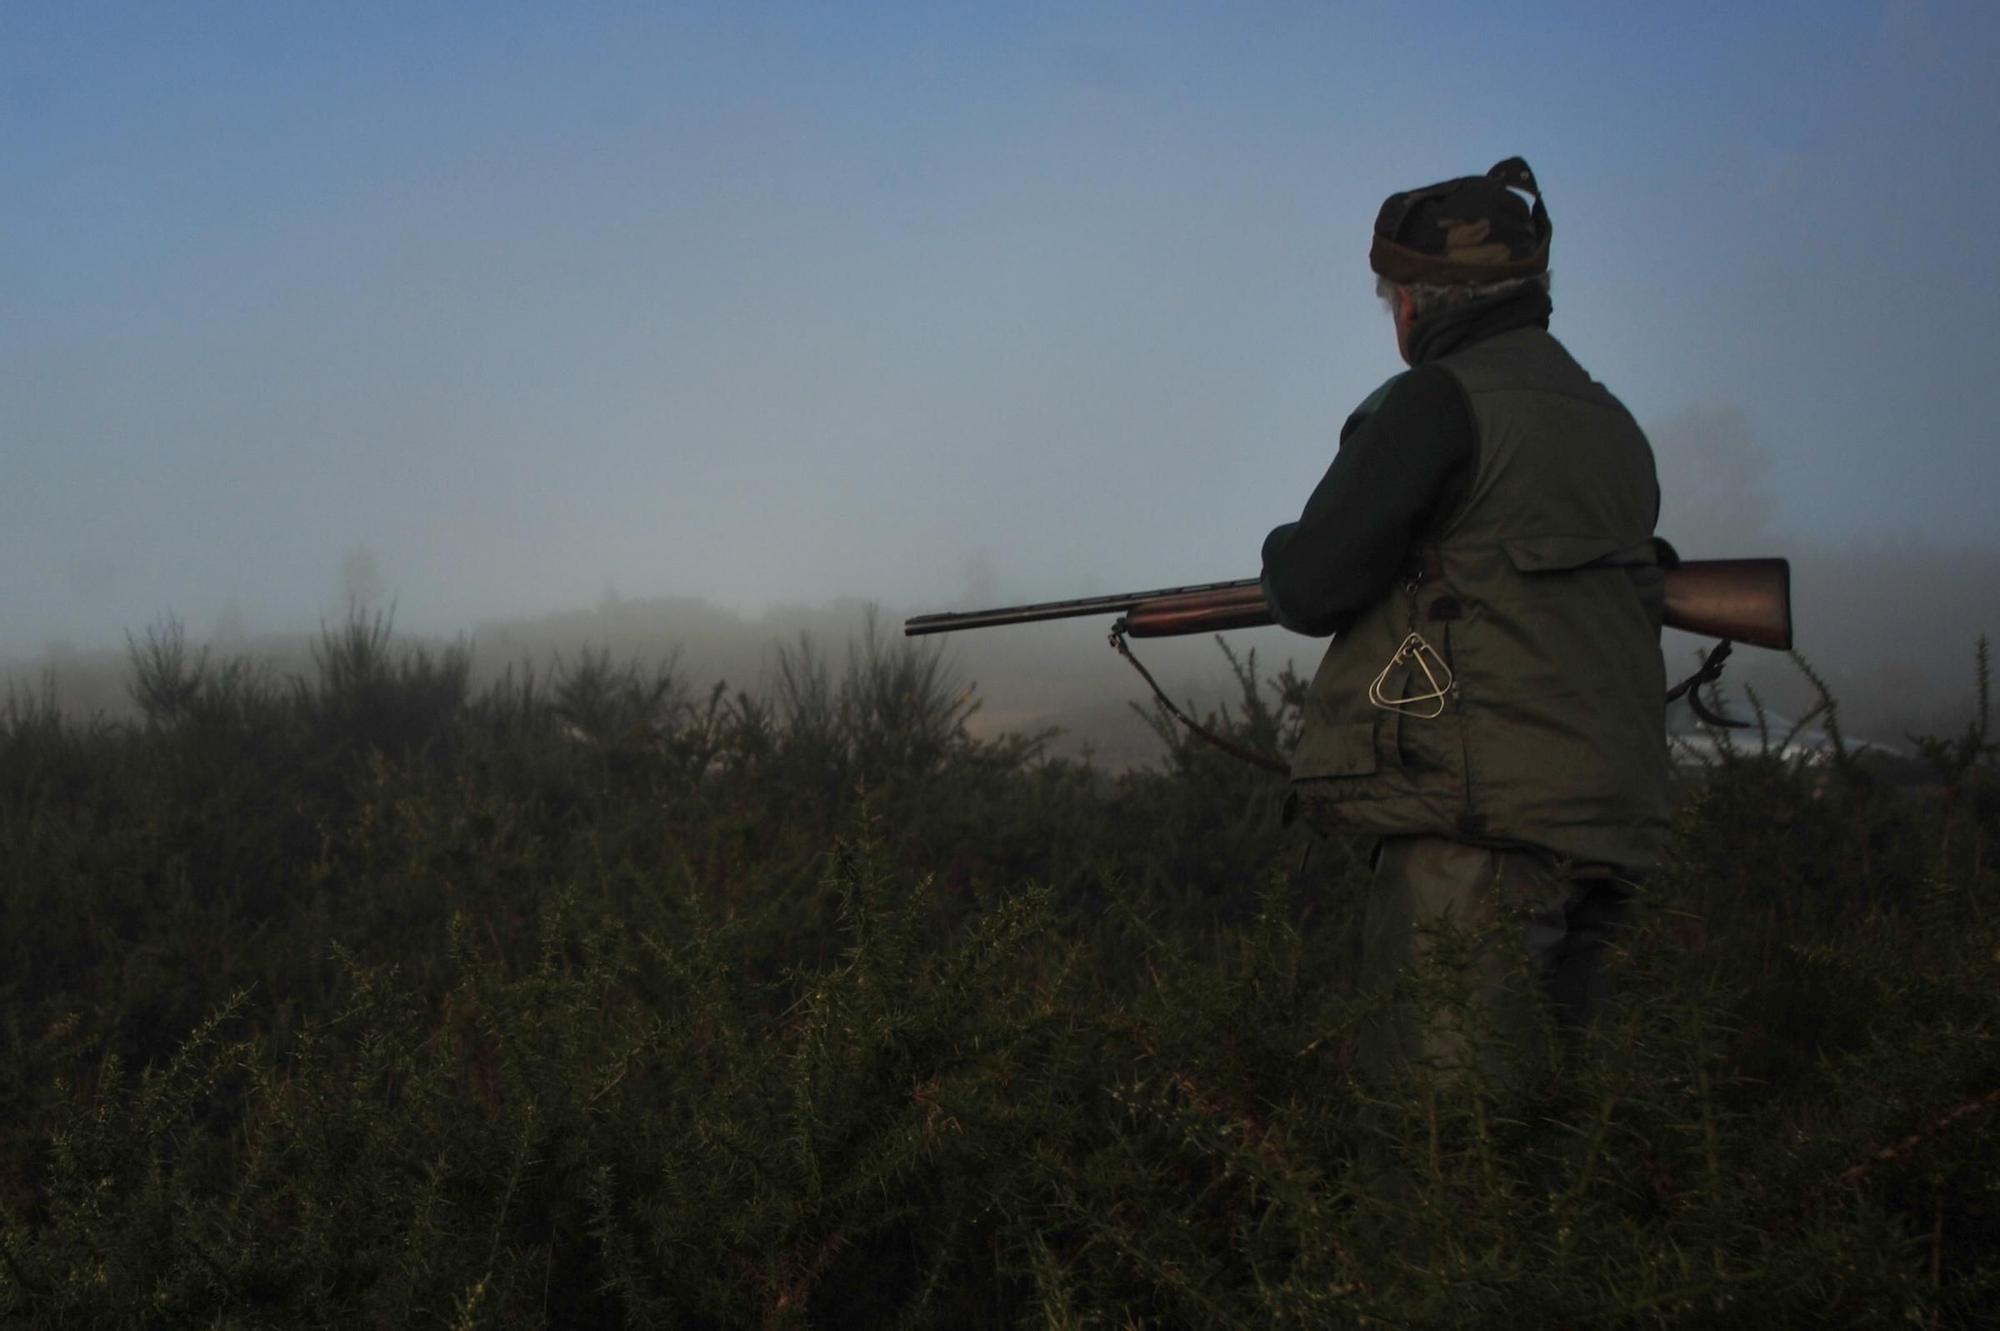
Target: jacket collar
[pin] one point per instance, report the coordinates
(1460, 326)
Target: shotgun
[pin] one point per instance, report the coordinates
(1738, 600)
(1734, 600)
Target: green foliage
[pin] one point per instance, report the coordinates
(585, 1000)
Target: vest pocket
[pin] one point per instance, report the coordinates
(1561, 554)
(1342, 750)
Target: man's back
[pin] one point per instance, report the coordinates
(1537, 594)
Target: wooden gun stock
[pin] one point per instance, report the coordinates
(1742, 600)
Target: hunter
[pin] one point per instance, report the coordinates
(1489, 710)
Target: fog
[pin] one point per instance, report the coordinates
(687, 329)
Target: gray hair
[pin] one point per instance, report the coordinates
(1431, 299)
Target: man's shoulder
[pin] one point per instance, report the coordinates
(1402, 388)
(1373, 402)
(1419, 422)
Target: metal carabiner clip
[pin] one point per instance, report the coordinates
(1414, 650)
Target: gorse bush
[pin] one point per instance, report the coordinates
(587, 999)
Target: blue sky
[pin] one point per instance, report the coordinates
(778, 303)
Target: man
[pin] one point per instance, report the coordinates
(1490, 708)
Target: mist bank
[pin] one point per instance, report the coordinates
(1027, 679)
(1890, 626)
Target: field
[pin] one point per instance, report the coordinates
(371, 999)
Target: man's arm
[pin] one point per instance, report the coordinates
(1398, 465)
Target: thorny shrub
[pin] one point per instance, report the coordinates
(587, 1000)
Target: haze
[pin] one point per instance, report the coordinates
(510, 310)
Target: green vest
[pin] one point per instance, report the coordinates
(1540, 593)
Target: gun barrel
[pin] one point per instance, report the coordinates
(947, 621)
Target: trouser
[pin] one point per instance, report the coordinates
(1491, 958)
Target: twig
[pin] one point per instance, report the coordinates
(1228, 746)
(1856, 1173)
